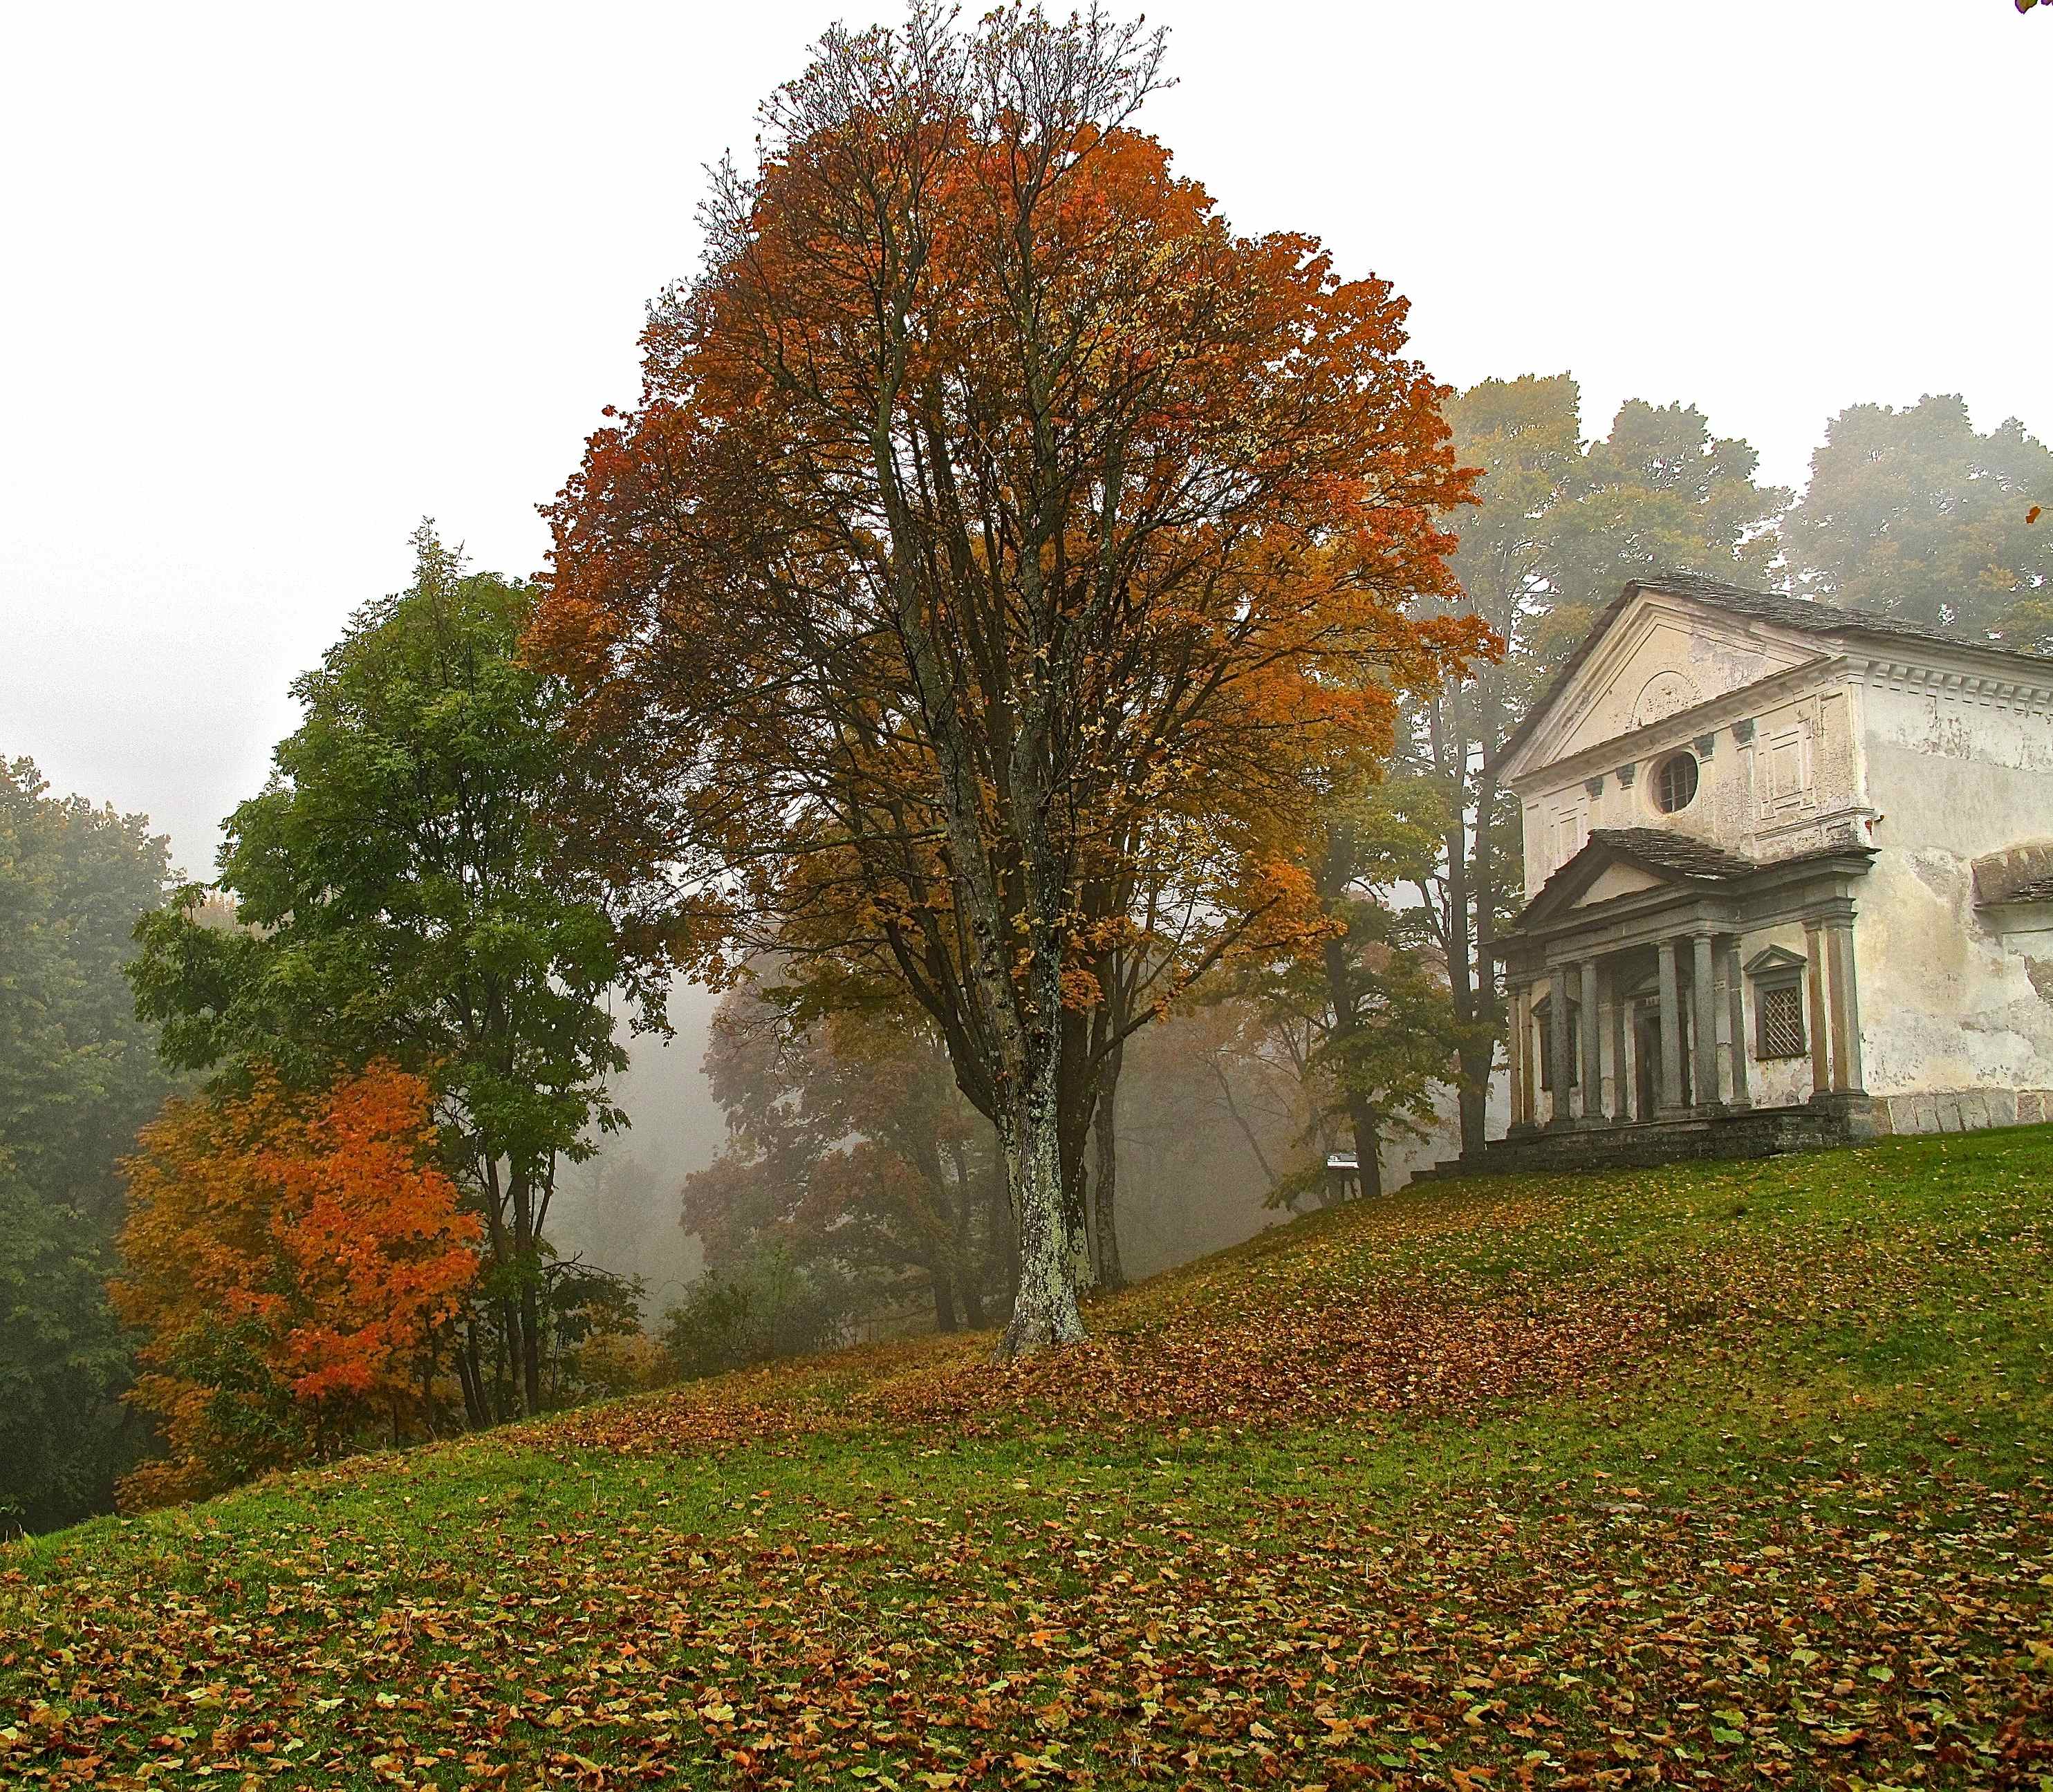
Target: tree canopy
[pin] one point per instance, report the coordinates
(78, 1075)
(1914, 514)
(995, 521)
(403, 893)
(290, 1259)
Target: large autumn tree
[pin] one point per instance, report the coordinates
(403, 893)
(991, 506)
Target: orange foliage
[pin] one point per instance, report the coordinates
(290, 1258)
(1006, 559)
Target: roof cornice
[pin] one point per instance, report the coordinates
(1983, 683)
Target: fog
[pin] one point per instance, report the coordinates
(280, 281)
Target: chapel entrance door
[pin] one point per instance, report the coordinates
(1647, 1062)
(1646, 1068)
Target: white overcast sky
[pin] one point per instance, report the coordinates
(275, 281)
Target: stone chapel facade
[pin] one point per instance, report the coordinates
(1789, 882)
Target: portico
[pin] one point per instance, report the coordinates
(1628, 981)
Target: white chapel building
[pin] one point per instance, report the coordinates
(1788, 880)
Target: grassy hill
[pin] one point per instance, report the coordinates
(1716, 1476)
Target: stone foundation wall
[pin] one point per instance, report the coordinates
(1757, 1132)
(1962, 1110)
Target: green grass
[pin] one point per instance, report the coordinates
(1712, 1475)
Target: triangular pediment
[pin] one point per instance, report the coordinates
(1601, 871)
(1656, 654)
(1619, 864)
(1773, 960)
(1618, 879)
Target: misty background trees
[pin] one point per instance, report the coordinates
(79, 1076)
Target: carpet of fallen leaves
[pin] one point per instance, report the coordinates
(1169, 1558)
(1363, 1317)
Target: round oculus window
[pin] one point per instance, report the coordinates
(1675, 783)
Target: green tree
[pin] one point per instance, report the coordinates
(1912, 514)
(79, 1075)
(403, 895)
(1371, 1001)
(65, 1360)
(1561, 525)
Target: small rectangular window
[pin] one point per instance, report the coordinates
(1779, 1007)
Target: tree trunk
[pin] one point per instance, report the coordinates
(1003, 1245)
(1111, 1271)
(470, 1376)
(968, 1272)
(1479, 1059)
(1341, 995)
(1478, 1056)
(1076, 1097)
(1044, 1311)
(529, 1346)
(1368, 1147)
(943, 1285)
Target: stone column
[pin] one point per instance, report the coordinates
(1814, 993)
(1736, 1008)
(1704, 1001)
(1523, 1087)
(1666, 1101)
(1845, 1008)
(1592, 1046)
(1558, 1045)
(1621, 1089)
(1514, 1063)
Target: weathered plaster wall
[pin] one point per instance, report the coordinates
(1777, 1082)
(1948, 1002)
(1664, 656)
(1771, 787)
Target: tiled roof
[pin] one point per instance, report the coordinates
(1804, 614)
(1674, 852)
(2039, 889)
(1688, 857)
(1774, 607)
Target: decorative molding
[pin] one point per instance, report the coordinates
(1732, 706)
(1594, 785)
(1986, 690)
(1743, 730)
(1777, 960)
(1626, 773)
(1668, 693)
(1706, 745)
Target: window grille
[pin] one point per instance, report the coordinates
(1675, 785)
(1781, 1022)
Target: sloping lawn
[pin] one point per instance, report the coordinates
(1720, 1475)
